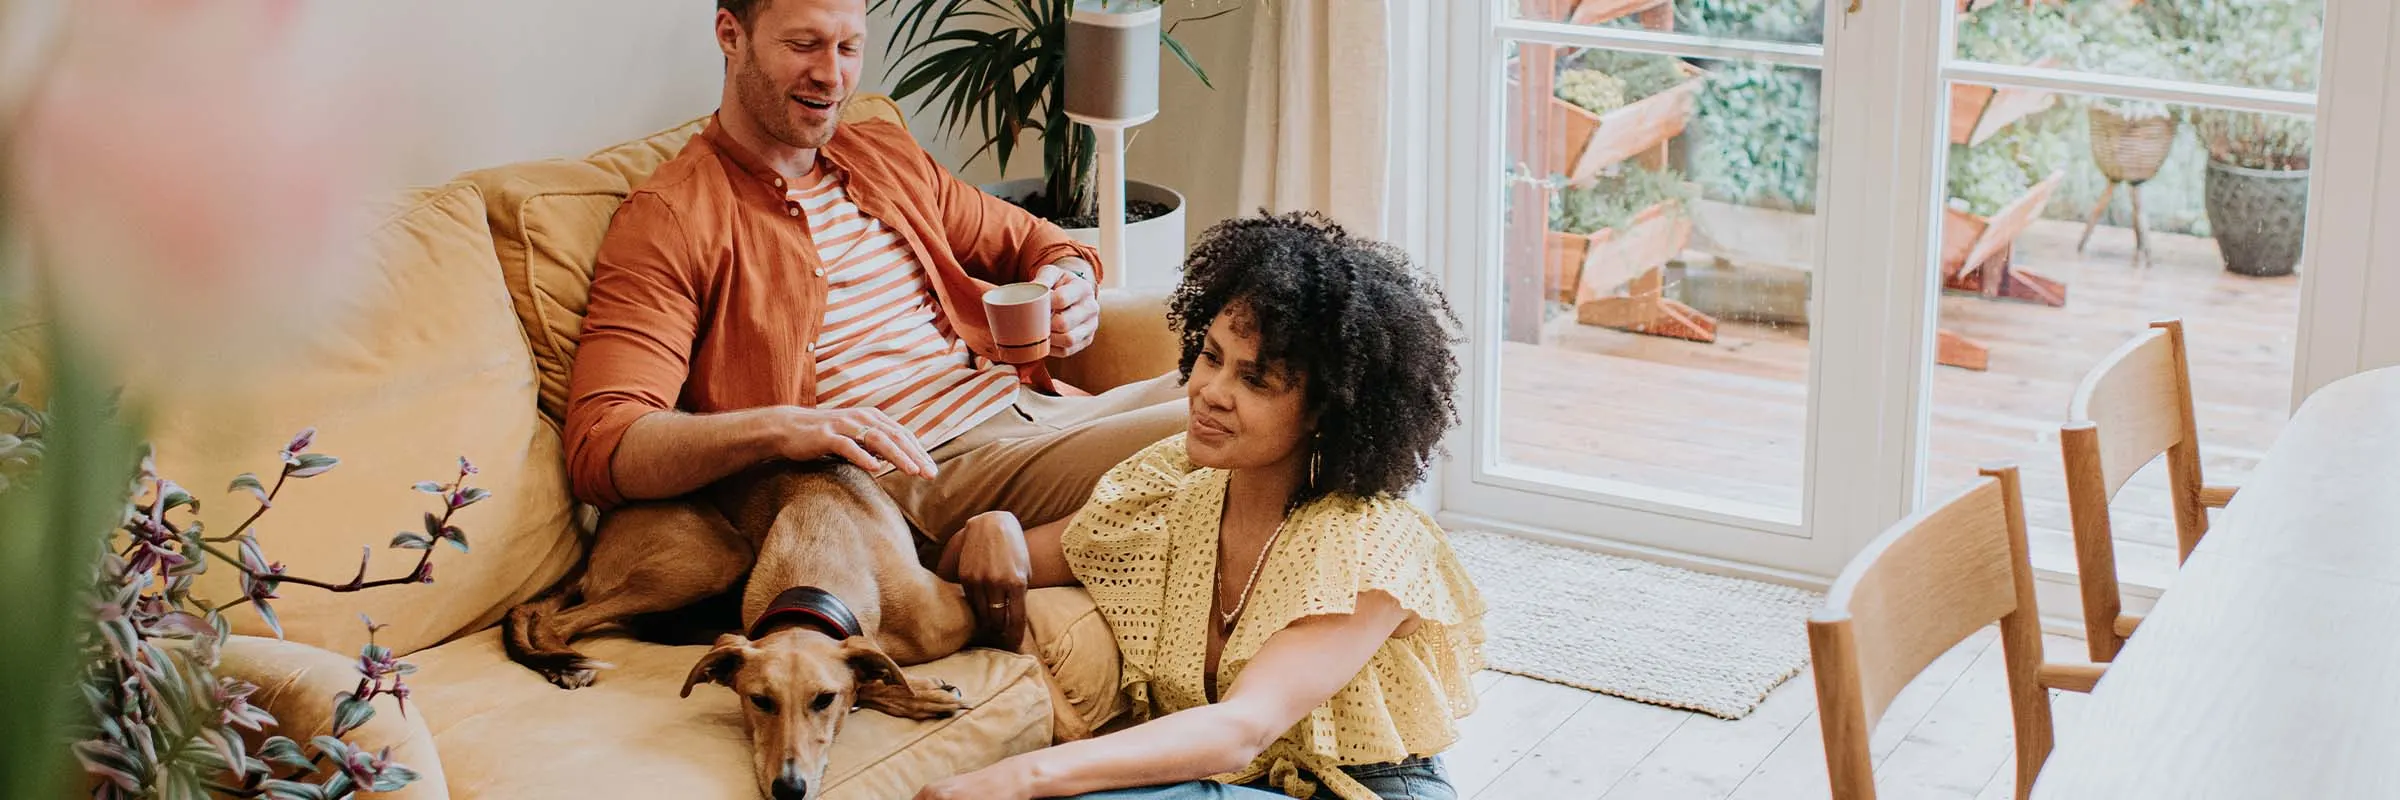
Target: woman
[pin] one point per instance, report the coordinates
(1289, 626)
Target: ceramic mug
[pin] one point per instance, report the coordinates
(1019, 314)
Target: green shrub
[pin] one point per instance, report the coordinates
(1757, 20)
(1642, 74)
(1753, 136)
(1592, 90)
(1612, 200)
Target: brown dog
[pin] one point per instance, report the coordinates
(808, 656)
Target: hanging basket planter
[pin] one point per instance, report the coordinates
(2130, 150)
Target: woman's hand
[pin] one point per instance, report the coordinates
(996, 782)
(995, 568)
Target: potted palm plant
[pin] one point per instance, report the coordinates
(999, 68)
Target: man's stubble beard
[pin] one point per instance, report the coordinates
(770, 106)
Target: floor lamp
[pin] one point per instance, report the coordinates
(1112, 84)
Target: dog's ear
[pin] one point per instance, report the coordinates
(882, 687)
(870, 663)
(719, 664)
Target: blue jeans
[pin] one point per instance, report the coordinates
(1414, 779)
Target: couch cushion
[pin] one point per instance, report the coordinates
(425, 364)
(546, 219)
(632, 162)
(505, 733)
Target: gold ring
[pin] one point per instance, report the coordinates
(1001, 604)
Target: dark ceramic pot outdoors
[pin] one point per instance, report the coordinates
(2260, 217)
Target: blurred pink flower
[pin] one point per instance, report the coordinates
(191, 177)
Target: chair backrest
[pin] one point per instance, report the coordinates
(1913, 593)
(2135, 406)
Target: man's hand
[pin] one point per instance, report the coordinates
(863, 436)
(995, 568)
(1074, 306)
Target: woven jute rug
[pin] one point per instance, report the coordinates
(1635, 629)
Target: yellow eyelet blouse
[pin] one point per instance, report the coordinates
(1146, 549)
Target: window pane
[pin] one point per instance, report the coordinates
(1794, 21)
(1660, 233)
(2260, 44)
(2030, 305)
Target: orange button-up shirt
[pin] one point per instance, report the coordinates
(708, 290)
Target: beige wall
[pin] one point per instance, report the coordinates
(494, 81)
(486, 82)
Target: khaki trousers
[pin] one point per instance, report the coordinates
(1038, 458)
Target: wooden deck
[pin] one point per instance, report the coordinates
(1726, 420)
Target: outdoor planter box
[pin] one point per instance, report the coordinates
(1562, 263)
(1618, 285)
(1978, 253)
(1594, 12)
(1591, 142)
(1979, 112)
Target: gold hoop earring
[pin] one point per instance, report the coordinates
(1316, 459)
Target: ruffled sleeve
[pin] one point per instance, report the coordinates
(1382, 545)
(1117, 548)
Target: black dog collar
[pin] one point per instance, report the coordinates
(811, 607)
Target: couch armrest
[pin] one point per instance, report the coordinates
(297, 683)
(1134, 343)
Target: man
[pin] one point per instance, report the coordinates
(791, 288)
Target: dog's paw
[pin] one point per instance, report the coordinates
(921, 699)
(574, 673)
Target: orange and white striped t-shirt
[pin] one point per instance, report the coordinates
(884, 342)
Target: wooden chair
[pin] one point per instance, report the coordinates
(2132, 408)
(1917, 591)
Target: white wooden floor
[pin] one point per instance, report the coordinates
(1946, 736)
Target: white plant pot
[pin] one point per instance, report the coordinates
(1153, 247)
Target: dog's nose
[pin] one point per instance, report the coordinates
(789, 785)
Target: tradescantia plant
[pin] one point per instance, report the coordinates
(158, 721)
(1000, 66)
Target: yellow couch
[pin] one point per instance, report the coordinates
(459, 344)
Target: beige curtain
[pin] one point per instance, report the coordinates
(1318, 115)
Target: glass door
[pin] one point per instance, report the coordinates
(2110, 164)
(1661, 357)
(1746, 280)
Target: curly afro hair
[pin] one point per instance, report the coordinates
(1368, 334)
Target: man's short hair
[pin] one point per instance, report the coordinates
(744, 11)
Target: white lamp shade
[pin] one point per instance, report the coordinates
(1112, 62)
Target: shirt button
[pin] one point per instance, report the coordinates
(778, 183)
(793, 211)
(820, 272)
